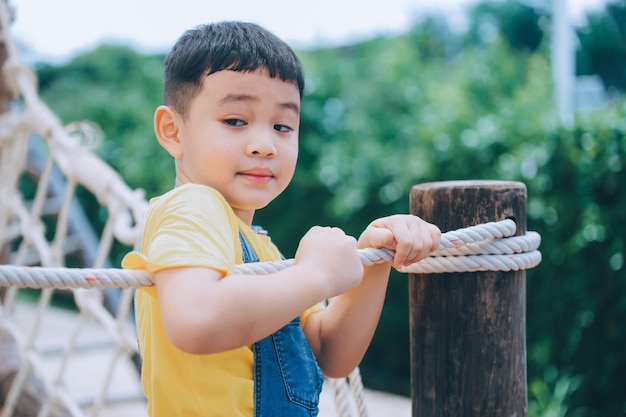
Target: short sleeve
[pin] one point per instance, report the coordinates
(191, 226)
(304, 316)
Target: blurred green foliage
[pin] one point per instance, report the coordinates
(431, 105)
(603, 46)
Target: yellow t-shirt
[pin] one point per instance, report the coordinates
(192, 225)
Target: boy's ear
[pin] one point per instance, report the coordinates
(166, 122)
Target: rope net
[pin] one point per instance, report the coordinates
(50, 249)
(43, 165)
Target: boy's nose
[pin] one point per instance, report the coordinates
(262, 145)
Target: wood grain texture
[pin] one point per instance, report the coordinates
(468, 345)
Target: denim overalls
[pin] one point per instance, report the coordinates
(287, 379)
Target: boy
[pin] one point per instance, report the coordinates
(215, 343)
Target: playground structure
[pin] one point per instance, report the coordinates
(46, 226)
(45, 231)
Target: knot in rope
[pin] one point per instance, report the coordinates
(86, 133)
(485, 247)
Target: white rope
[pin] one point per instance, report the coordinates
(341, 396)
(504, 253)
(356, 387)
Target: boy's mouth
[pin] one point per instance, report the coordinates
(258, 175)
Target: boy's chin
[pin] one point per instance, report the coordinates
(251, 206)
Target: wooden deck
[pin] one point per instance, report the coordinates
(88, 367)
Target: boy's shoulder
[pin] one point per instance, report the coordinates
(188, 192)
(191, 199)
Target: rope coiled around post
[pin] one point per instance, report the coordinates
(486, 247)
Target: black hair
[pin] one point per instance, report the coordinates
(231, 45)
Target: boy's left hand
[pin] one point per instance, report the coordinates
(409, 236)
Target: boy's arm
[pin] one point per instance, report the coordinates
(340, 335)
(204, 312)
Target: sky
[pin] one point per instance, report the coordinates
(55, 30)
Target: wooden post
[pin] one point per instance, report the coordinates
(468, 345)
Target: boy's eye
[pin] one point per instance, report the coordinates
(234, 122)
(282, 128)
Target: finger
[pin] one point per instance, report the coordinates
(431, 236)
(379, 237)
(435, 234)
(405, 246)
(423, 243)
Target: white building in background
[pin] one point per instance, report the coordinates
(589, 93)
(563, 60)
(572, 93)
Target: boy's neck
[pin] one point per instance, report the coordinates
(245, 215)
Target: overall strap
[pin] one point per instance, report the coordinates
(247, 251)
(287, 379)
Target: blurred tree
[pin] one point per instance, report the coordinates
(519, 24)
(433, 39)
(119, 89)
(602, 49)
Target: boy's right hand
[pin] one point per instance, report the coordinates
(333, 256)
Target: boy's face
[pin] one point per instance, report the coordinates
(241, 138)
